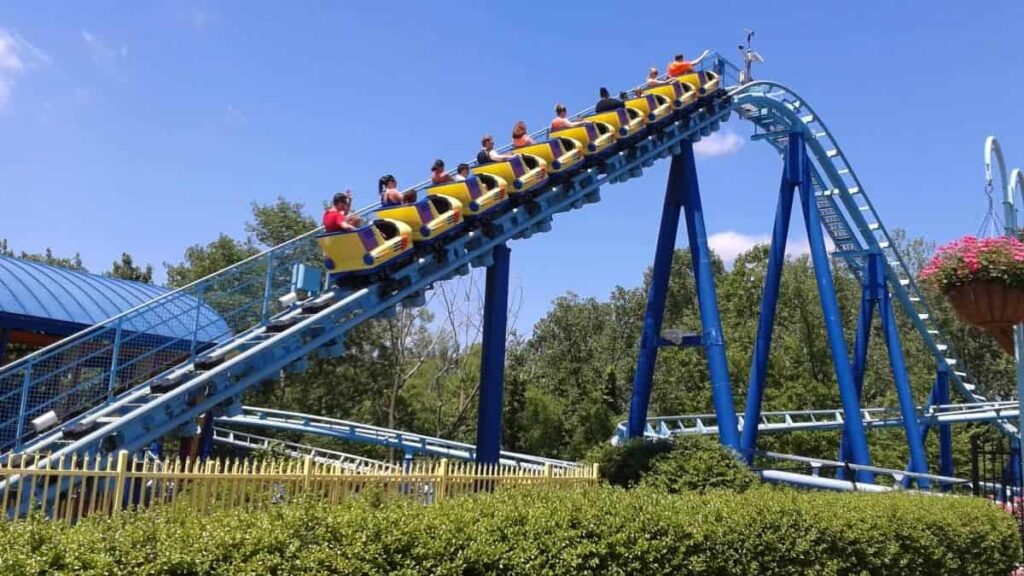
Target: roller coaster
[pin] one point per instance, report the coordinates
(114, 387)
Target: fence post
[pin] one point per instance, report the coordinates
(22, 406)
(442, 482)
(112, 382)
(268, 288)
(199, 313)
(307, 472)
(119, 480)
(596, 473)
(549, 473)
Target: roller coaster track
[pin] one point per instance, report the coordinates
(847, 212)
(254, 442)
(405, 442)
(829, 419)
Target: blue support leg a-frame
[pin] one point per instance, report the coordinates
(707, 299)
(941, 395)
(766, 320)
(830, 312)
(492, 362)
(868, 300)
(890, 330)
(683, 194)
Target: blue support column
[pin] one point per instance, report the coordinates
(941, 395)
(492, 364)
(908, 410)
(714, 340)
(833, 320)
(206, 437)
(766, 320)
(656, 294)
(869, 296)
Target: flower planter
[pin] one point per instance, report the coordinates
(991, 306)
(984, 281)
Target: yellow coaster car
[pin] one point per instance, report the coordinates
(595, 136)
(654, 106)
(560, 153)
(524, 171)
(364, 250)
(625, 121)
(428, 218)
(704, 81)
(477, 194)
(680, 93)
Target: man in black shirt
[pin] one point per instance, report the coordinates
(607, 103)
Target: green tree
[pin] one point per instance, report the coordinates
(126, 269)
(277, 222)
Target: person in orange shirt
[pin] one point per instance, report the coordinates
(560, 122)
(520, 137)
(679, 66)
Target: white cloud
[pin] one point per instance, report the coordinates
(730, 244)
(721, 143)
(16, 56)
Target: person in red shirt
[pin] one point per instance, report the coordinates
(680, 67)
(438, 175)
(338, 218)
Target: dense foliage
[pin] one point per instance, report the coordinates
(972, 259)
(603, 531)
(688, 464)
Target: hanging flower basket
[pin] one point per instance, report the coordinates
(984, 281)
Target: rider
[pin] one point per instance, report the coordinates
(338, 218)
(679, 66)
(560, 122)
(488, 154)
(390, 195)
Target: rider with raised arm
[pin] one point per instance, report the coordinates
(679, 66)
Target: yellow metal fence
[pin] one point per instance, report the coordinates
(77, 487)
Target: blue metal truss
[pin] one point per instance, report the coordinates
(408, 443)
(830, 419)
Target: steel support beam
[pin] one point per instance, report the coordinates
(656, 294)
(492, 364)
(766, 320)
(707, 299)
(682, 193)
(830, 311)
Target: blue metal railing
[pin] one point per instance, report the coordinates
(92, 366)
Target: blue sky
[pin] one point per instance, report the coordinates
(148, 127)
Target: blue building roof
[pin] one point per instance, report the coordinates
(42, 298)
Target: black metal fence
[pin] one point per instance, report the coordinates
(996, 475)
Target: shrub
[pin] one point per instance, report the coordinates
(688, 463)
(578, 532)
(697, 464)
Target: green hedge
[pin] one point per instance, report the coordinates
(685, 464)
(535, 532)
